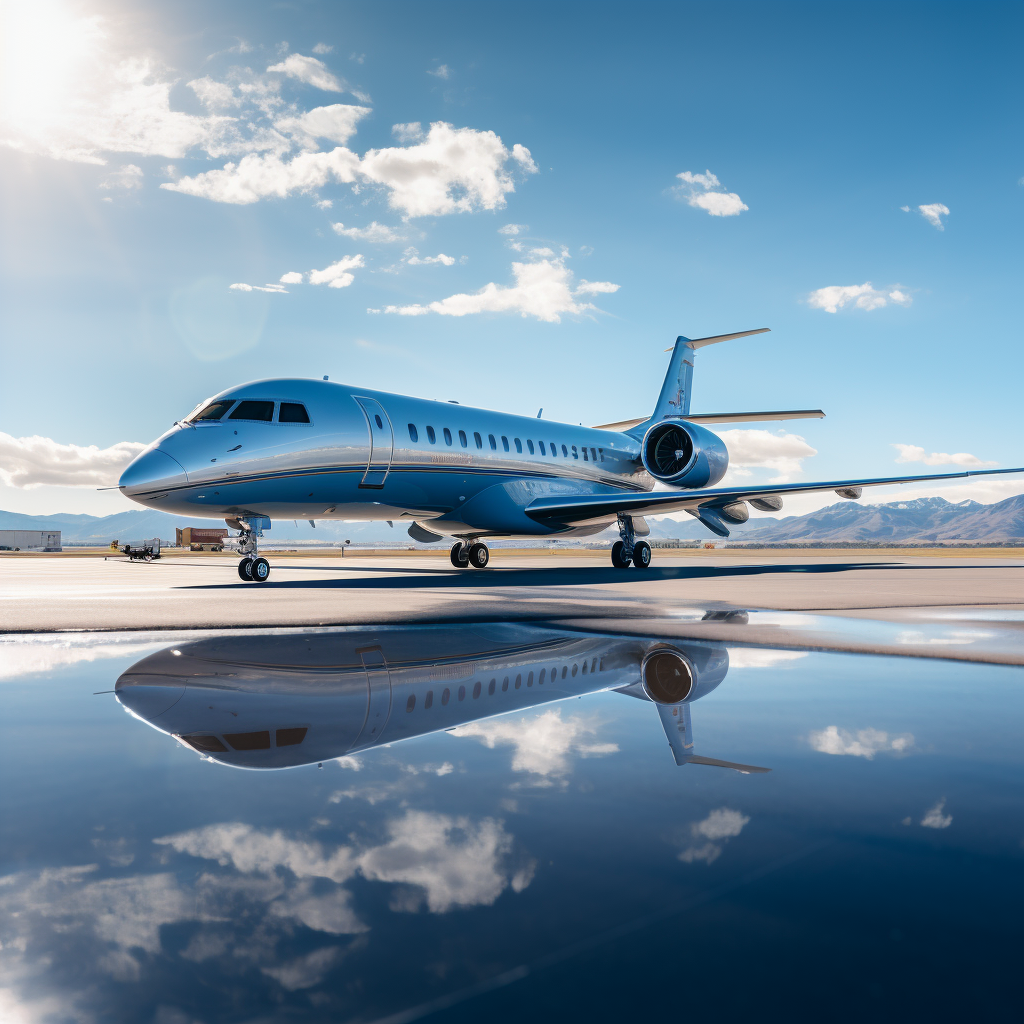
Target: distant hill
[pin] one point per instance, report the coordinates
(924, 520)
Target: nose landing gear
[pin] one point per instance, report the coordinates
(252, 568)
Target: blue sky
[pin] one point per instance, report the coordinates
(802, 130)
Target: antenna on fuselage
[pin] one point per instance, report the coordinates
(539, 411)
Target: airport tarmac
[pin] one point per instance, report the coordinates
(962, 608)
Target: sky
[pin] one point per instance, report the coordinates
(516, 207)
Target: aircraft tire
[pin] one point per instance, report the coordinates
(245, 570)
(260, 569)
(459, 559)
(479, 556)
(642, 554)
(621, 555)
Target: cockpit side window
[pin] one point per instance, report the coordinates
(263, 411)
(213, 411)
(292, 412)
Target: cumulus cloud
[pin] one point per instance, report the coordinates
(523, 157)
(542, 744)
(717, 828)
(450, 170)
(543, 289)
(586, 287)
(322, 48)
(373, 232)
(214, 95)
(309, 70)
(933, 213)
(934, 818)
(38, 655)
(410, 132)
(863, 296)
(127, 177)
(513, 229)
(441, 71)
(783, 452)
(337, 275)
(864, 743)
(706, 192)
(306, 971)
(912, 453)
(292, 277)
(37, 461)
(413, 258)
(337, 123)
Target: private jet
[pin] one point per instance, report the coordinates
(315, 449)
(288, 699)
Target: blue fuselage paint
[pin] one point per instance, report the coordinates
(474, 478)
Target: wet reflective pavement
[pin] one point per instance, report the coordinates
(511, 821)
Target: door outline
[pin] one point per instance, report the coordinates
(378, 704)
(382, 443)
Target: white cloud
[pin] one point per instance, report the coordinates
(214, 95)
(309, 70)
(935, 818)
(863, 296)
(719, 826)
(373, 232)
(441, 71)
(451, 170)
(522, 156)
(305, 971)
(337, 275)
(349, 761)
(933, 213)
(34, 461)
(411, 132)
(323, 204)
(706, 192)
(782, 452)
(127, 177)
(864, 743)
(292, 277)
(543, 289)
(336, 122)
(912, 453)
(586, 287)
(32, 655)
(750, 657)
(513, 229)
(413, 258)
(275, 289)
(542, 743)
(322, 48)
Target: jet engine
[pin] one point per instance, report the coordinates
(685, 454)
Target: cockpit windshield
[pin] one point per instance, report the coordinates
(214, 411)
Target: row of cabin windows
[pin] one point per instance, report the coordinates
(249, 409)
(589, 454)
(492, 686)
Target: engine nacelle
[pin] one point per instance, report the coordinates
(685, 454)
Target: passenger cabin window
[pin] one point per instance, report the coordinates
(543, 450)
(292, 412)
(601, 450)
(492, 442)
(447, 437)
(462, 438)
(414, 434)
(431, 437)
(410, 704)
(504, 442)
(593, 454)
(529, 445)
(565, 452)
(263, 411)
(585, 459)
(575, 454)
(213, 411)
(554, 450)
(519, 446)
(479, 440)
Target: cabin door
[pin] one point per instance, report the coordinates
(378, 709)
(382, 442)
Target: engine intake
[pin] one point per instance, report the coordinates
(667, 677)
(684, 453)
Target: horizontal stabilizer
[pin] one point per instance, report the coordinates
(747, 769)
(723, 417)
(696, 343)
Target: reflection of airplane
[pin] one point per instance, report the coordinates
(304, 449)
(288, 699)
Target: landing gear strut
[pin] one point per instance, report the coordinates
(476, 555)
(252, 568)
(629, 549)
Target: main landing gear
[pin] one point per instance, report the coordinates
(252, 568)
(629, 549)
(476, 555)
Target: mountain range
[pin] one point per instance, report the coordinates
(923, 520)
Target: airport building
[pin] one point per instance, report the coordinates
(30, 540)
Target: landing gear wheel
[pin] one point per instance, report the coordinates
(260, 570)
(641, 554)
(245, 570)
(621, 555)
(459, 557)
(479, 556)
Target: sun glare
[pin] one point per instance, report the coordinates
(47, 62)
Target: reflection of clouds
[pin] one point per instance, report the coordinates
(934, 818)
(863, 743)
(719, 826)
(749, 657)
(23, 656)
(953, 637)
(542, 742)
(306, 971)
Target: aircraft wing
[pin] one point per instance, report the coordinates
(723, 417)
(579, 509)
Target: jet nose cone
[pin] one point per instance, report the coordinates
(151, 471)
(146, 699)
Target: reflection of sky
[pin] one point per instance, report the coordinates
(142, 883)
